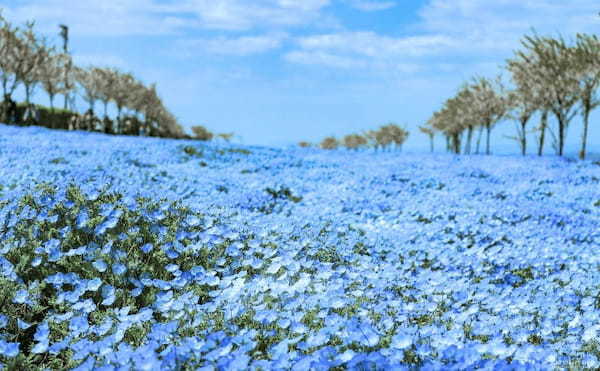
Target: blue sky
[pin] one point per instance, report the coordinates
(279, 71)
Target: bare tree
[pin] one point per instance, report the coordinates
(31, 54)
(524, 100)
(51, 76)
(490, 104)
(587, 57)
(555, 67)
(89, 80)
(107, 80)
(8, 57)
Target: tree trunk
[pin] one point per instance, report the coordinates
(561, 135)
(51, 123)
(66, 101)
(523, 138)
(431, 143)
(4, 87)
(469, 139)
(456, 143)
(488, 129)
(118, 128)
(447, 143)
(543, 125)
(480, 135)
(586, 114)
(27, 94)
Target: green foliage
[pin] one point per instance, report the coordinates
(192, 151)
(283, 193)
(53, 119)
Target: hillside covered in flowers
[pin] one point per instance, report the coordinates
(147, 253)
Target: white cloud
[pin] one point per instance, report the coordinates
(155, 17)
(370, 44)
(496, 27)
(244, 15)
(463, 35)
(97, 18)
(369, 50)
(322, 58)
(240, 46)
(371, 5)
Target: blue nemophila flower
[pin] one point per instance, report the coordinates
(22, 325)
(3, 321)
(78, 251)
(136, 292)
(21, 297)
(171, 267)
(103, 328)
(147, 248)
(54, 254)
(82, 219)
(35, 262)
(119, 269)
(9, 350)
(41, 347)
(78, 325)
(401, 341)
(192, 221)
(94, 284)
(108, 294)
(100, 265)
(58, 347)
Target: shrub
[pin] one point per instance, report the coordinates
(202, 133)
(329, 143)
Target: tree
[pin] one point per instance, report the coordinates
(394, 134)
(524, 100)
(555, 68)
(107, 80)
(119, 93)
(489, 104)
(51, 75)
(8, 57)
(31, 54)
(380, 138)
(89, 80)
(429, 131)
(587, 62)
(354, 141)
(304, 144)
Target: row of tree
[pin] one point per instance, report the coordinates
(387, 136)
(548, 76)
(27, 60)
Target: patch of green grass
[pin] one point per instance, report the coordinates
(58, 160)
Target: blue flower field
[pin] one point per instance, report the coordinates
(121, 253)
